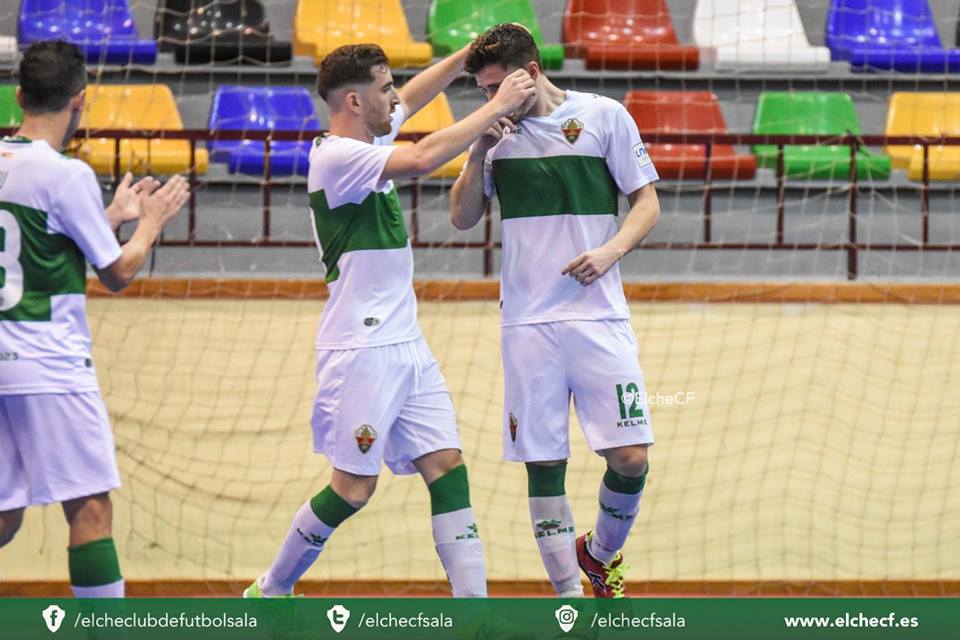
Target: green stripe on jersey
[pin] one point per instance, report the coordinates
(555, 185)
(51, 263)
(375, 223)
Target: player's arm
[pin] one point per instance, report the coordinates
(442, 146)
(468, 201)
(157, 207)
(644, 213)
(126, 205)
(424, 87)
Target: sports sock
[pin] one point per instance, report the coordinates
(455, 534)
(619, 502)
(95, 570)
(312, 527)
(553, 527)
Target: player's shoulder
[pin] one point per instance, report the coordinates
(595, 103)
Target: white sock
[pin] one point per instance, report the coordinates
(304, 542)
(618, 511)
(461, 552)
(112, 590)
(557, 539)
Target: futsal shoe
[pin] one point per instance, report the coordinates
(605, 579)
(253, 591)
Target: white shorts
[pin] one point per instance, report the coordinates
(54, 447)
(381, 404)
(595, 361)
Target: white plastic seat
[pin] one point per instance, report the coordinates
(757, 35)
(8, 49)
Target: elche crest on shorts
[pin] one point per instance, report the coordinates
(631, 406)
(365, 435)
(572, 129)
(513, 424)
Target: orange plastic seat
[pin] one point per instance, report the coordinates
(434, 116)
(625, 34)
(138, 108)
(688, 112)
(931, 114)
(320, 26)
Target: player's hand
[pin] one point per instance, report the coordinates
(516, 92)
(590, 266)
(493, 135)
(162, 204)
(126, 205)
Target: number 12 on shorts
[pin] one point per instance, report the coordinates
(631, 412)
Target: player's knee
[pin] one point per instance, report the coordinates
(628, 461)
(91, 516)
(10, 522)
(355, 490)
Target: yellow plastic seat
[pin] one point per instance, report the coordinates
(320, 26)
(138, 108)
(434, 116)
(925, 114)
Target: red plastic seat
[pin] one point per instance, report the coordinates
(625, 34)
(687, 112)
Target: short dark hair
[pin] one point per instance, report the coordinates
(506, 44)
(51, 72)
(349, 64)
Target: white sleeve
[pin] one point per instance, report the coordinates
(78, 213)
(489, 188)
(626, 155)
(397, 118)
(353, 170)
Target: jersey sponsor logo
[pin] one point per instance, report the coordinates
(546, 528)
(313, 539)
(631, 406)
(572, 129)
(640, 154)
(473, 533)
(514, 424)
(366, 436)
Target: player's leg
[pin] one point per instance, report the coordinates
(359, 392)
(535, 431)
(425, 439)
(10, 522)
(611, 404)
(92, 555)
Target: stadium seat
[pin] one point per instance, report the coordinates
(320, 26)
(898, 35)
(104, 29)
(238, 108)
(149, 107)
(687, 112)
(451, 24)
(10, 113)
(204, 31)
(755, 35)
(813, 113)
(625, 34)
(8, 49)
(434, 116)
(925, 114)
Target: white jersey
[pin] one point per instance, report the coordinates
(558, 179)
(359, 228)
(52, 217)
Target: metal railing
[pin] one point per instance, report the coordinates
(851, 244)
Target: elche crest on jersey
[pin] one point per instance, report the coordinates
(572, 129)
(366, 435)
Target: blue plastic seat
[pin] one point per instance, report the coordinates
(897, 35)
(104, 29)
(237, 108)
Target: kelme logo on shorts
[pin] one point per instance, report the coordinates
(631, 411)
(513, 427)
(365, 435)
(572, 129)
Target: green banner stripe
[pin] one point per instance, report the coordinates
(556, 185)
(375, 223)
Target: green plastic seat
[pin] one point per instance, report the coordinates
(814, 113)
(452, 24)
(10, 113)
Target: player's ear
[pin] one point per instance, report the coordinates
(533, 69)
(20, 97)
(351, 99)
(76, 102)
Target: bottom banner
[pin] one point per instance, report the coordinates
(493, 619)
